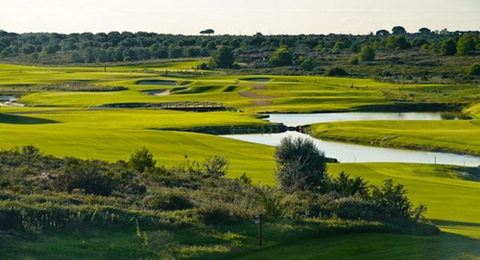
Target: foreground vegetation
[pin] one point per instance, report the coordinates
(168, 211)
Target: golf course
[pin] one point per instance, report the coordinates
(107, 113)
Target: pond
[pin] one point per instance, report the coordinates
(345, 152)
(7, 98)
(307, 119)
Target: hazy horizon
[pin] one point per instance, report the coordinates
(241, 17)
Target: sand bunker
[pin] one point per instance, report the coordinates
(157, 92)
(158, 83)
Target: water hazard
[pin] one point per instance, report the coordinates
(345, 152)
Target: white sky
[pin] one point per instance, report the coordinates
(237, 17)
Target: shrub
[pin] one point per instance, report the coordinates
(168, 201)
(353, 60)
(474, 69)
(347, 186)
(354, 208)
(392, 201)
(301, 166)
(336, 71)
(367, 53)
(307, 64)
(141, 160)
(87, 175)
(215, 166)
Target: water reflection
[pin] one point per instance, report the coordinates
(345, 152)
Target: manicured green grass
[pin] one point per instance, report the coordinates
(169, 148)
(449, 136)
(374, 246)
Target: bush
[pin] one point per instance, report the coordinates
(474, 69)
(215, 166)
(367, 53)
(337, 71)
(354, 208)
(347, 186)
(167, 201)
(301, 166)
(87, 175)
(392, 201)
(353, 60)
(141, 160)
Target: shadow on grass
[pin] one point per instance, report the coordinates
(450, 223)
(24, 120)
(372, 246)
(470, 173)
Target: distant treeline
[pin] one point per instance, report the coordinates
(128, 46)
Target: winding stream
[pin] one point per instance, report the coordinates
(345, 152)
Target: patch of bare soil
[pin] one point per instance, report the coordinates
(261, 103)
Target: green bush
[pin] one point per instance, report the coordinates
(337, 72)
(168, 200)
(87, 175)
(301, 166)
(474, 69)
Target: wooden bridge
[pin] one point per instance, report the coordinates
(194, 106)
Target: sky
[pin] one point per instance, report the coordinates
(241, 17)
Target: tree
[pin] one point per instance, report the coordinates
(307, 64)
(338, 47)
(282, 57)
(301, 166)
(382, 32)
(449, 47)
(223, 57)
(398, 42)
(207, 31)
(466, 44)
(397, 30)
(141, 160)
(424, 30)
(367, 53)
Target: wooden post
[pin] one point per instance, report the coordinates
(259, 222)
